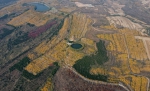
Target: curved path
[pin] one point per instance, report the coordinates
(94, 81)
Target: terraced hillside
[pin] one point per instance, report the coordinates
(129, 54)
(75, 45)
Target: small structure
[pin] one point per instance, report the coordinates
(70, 42)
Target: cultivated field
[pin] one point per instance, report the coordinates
(48, 86)
(130, 58)
(79, 26)
(120, 21)
(136, 83)
(78, 4)
(57, 50)
(12, 9)
(31, 17)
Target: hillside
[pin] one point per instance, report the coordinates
(75, 45)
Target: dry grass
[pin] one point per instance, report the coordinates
(136, 47)
(67, 9)
(115, 71)
(90, 46)
(39, 64)
(87, 41)
(134, 66)
(96, 71)
(79, 26)
(11, 9)
(117, 42)
(32, 17)
(31, 56)
(48, 86)
(136, 83)
(41, 49)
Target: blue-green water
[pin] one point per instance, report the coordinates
(40, 7)
(76, 46)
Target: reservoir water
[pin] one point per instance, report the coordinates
(76, 46)
(40, 7)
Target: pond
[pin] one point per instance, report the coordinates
(76, 46)
(40, 7)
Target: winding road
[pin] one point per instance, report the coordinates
(94, 81)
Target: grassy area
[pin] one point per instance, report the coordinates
(39, 82)
(83, 65)
(5, 32)
(56, 68)
(25, 61)
(20, 39)
(20, 65)
(30, 76)
(4, 17)
(31, 25)
(59, 26)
